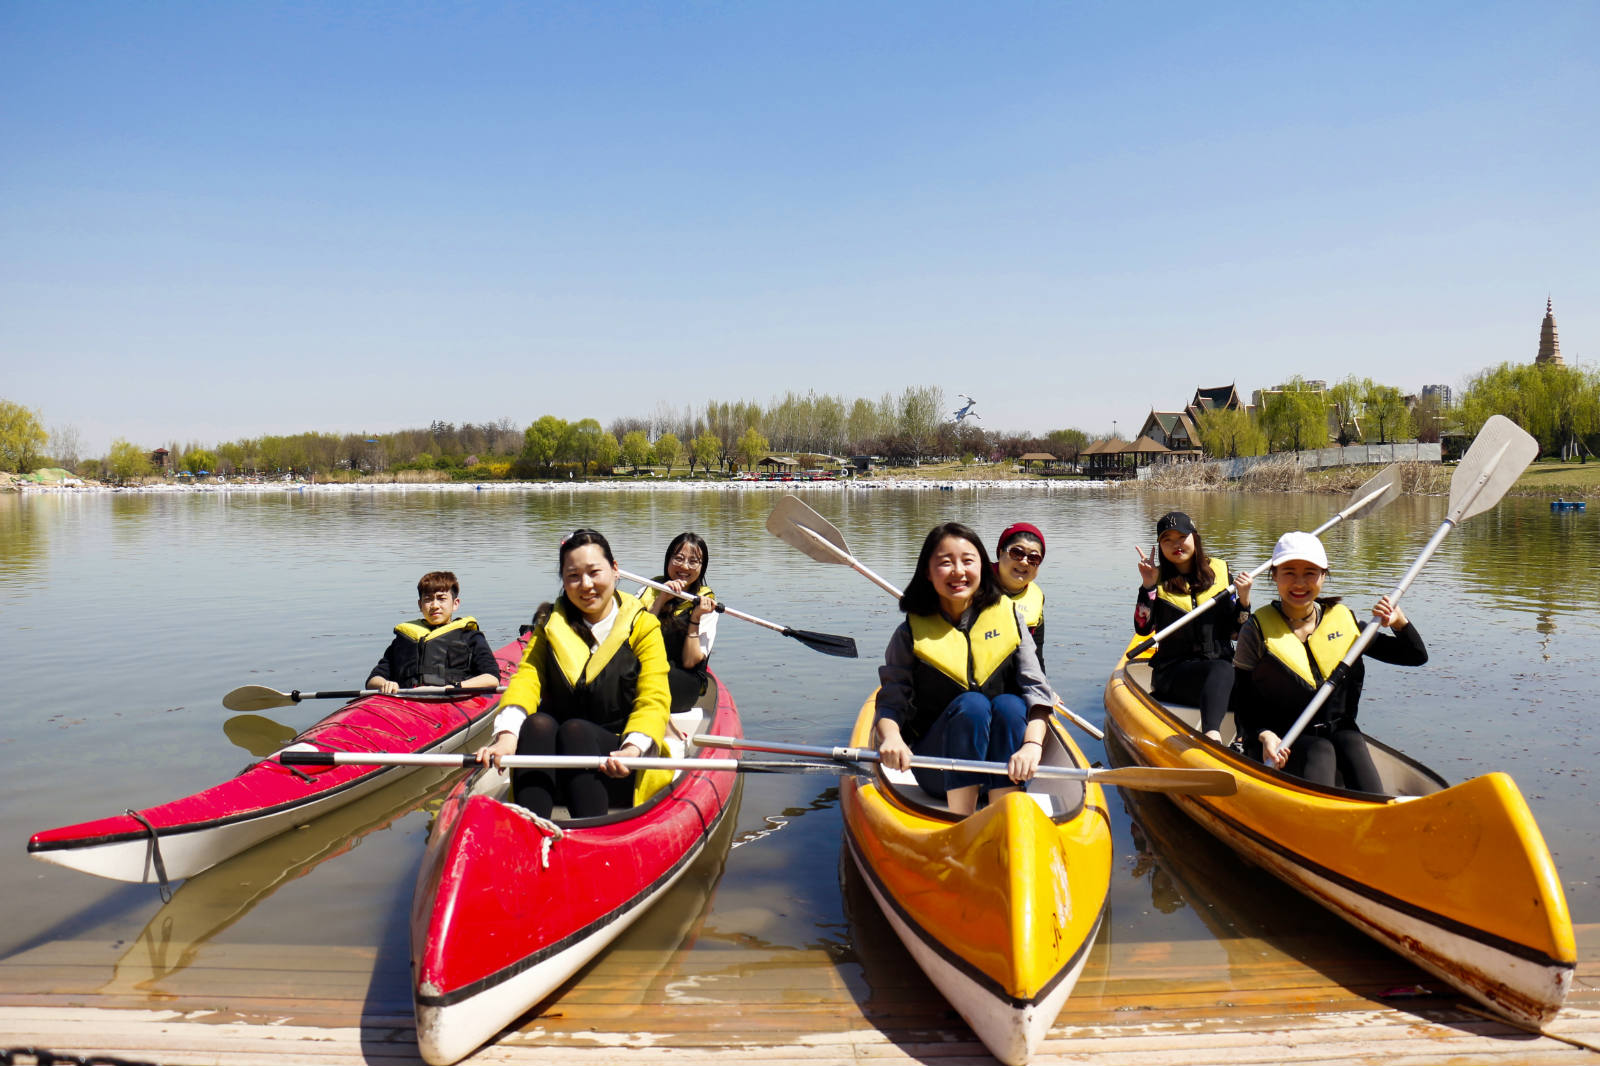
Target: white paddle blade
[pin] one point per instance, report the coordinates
(1492, 465)
(1380, 491)
(802, 528)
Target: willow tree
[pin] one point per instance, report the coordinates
(1385, 411)
(1295, 417)
(22, 437)
(1557, 404)
(667, 449)
(1228, 433)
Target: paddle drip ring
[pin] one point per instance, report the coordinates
(549, 832)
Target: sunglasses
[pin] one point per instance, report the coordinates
(1023, 555)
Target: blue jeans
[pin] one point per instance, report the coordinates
(972, 727)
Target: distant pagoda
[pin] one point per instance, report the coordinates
(1549, 346)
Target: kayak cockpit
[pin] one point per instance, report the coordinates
(1060, 798)
(682, 728)
(1403, 777)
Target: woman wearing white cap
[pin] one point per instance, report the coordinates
(1287, 649)
(1193, 666)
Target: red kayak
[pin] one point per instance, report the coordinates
(508, 907)
(183, 837)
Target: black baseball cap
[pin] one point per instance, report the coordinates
(1174, 520)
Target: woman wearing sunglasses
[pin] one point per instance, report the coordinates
(1193, 666)
(1016, 564)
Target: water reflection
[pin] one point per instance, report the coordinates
(180, 598)
(212, 901)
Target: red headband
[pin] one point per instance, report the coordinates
(1020, 527)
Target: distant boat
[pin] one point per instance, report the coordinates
(1567, 505)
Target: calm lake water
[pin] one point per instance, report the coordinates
(127, 617)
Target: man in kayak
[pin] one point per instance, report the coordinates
(438, 648)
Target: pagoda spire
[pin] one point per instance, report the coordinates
(1549, 344)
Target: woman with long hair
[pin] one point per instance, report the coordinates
(961, 676)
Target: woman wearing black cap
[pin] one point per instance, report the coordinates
(1193, 666)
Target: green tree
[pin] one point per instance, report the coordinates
(667, 450)
(921, 412)
(126, 460)
(1065, 444)
(606, 452)
(706, 447)
(1557, 404)
(541, 443)
(1295, 417)
(582, 443)
(635, 449)
(752, 446)
(1229, 433)
(198, 460)
(861, 426)
(22, 437)
(1386, 414)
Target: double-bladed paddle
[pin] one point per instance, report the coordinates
(798, 526)
(1492, 465)
(1145, 778)
(826, 643)
(1378, 492)
(823, 761)
(262, 698)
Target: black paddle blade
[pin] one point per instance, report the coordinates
(826, 643)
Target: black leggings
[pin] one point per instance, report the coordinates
(1203, 683)
(686, 687)
(586, 793)
(1337, 758)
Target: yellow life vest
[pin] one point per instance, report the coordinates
(418, 631)
(1031, 600)
(970, 658)
(1335, 632)
(1186, 602)
(648, 599)
(600, 677)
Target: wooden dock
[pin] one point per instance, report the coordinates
(1324, 1000)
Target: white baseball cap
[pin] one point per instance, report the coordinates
(1302, 546)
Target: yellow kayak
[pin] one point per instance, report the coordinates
(1455, 878)
(1000, 908)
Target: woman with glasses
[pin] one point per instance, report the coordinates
(1194, 666)
(1016, 564)
(687, 626)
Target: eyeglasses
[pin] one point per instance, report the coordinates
(1023, 555)
(685, 560)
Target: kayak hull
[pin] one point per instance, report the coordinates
(266, 798)
(505, 912)
(1458, 879)
(999, 909)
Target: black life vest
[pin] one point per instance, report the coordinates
(1291, 670)
(441, 655)
(1207, 637)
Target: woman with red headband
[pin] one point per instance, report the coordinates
(1016, 563)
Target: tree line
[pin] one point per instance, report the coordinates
(1559, 405)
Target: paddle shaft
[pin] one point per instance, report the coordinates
(510, 762)
(720, 608)
(827, 643)
(1460, 506)
(1210, 782)
(262, 698)
(849, 560)
(1353, 510)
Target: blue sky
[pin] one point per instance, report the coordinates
(226, 219)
